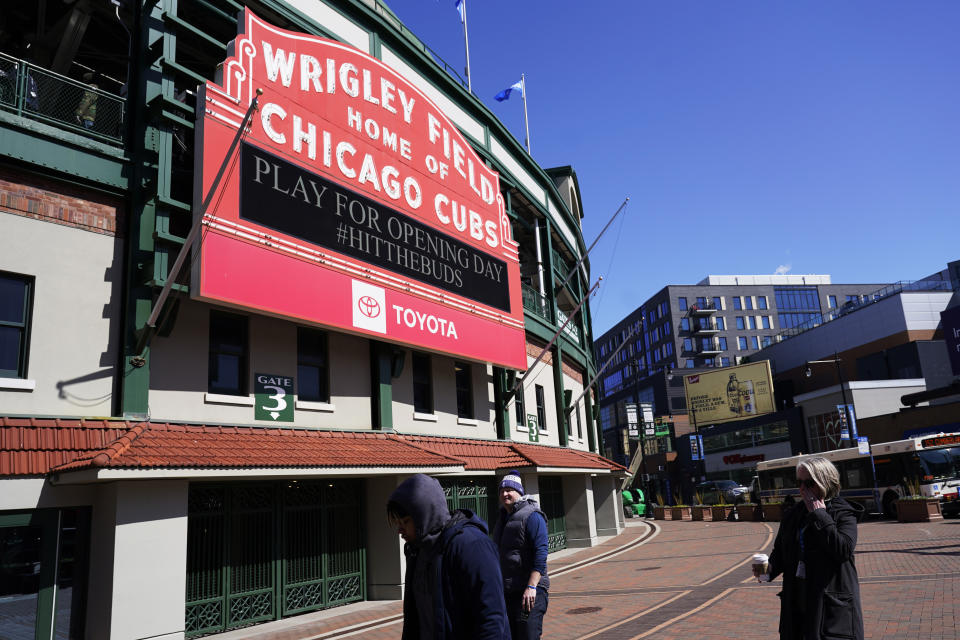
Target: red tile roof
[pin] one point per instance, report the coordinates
(162, 445)
(30, 446)
(502, 454)
(477, 455)
(543, 456)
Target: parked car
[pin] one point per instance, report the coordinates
(717, 491)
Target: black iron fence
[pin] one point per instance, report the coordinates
(40, 94)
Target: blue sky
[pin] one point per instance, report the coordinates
(750, 135)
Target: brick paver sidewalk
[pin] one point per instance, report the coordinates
(688, 580)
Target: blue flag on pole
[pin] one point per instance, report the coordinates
(505, 94)
(459, 5)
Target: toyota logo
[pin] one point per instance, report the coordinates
(368, 306)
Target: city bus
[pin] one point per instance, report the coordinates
(876, 479)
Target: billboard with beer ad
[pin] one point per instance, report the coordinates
(730, 393)
(346, 198)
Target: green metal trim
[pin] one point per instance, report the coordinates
(58, 152)
(501, 413)
(181, 71)
(381, 386)
(176, 22)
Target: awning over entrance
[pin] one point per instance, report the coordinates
(112, 449)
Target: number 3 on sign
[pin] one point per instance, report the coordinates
(279, 397)
(271, 393)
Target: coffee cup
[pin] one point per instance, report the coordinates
(761, 563)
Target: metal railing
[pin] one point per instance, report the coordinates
(392, 18)
(876, 296)
(536, 303)
(39, 94)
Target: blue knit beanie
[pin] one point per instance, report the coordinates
(512, 481)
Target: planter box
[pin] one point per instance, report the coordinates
(922, 510)
(720, 512)
(773, 512)
(681, 513)
(658, 513)
(746, 511)
(701, 512)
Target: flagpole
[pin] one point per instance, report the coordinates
(523, 94)
(466, 44)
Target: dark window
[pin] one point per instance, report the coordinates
(761, 302)
(15, 311)
(717, 302)
(464, 377)
(687, 344)
(753, 322)
(740, 324)
(766, 341)
(797, 299)
(765, 322)
(227, 371)
(691, 364)
(724, 361)
(423, 384)
(754, 342)
(685, 324)
(579, 425)
(737, 305)
(748, 302)
(701, 302)
(721, 325)
(723, 343)
(518, 409)
(742, 342)
(541, 408)
(682, 304)
(313, 373)
(832, 302)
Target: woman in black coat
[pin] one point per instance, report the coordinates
(814, 552)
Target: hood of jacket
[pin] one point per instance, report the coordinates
(458, 520)
(423, 500)
(839, 505)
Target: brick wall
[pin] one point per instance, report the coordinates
(41, 198)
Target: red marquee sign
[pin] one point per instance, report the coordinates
(350, 201)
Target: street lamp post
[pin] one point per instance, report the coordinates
(843, 391)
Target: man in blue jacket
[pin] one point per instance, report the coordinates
(521, 535)
(454, 589)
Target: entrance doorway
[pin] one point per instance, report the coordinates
(264, 551)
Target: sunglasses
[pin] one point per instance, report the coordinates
(808, 483)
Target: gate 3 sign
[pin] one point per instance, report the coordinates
(273, 397)
(350, 201)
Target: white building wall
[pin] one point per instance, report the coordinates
(179, 363)
(444, 420)
(74, 334)
(150, 561)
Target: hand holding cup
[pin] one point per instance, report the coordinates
(761, 566)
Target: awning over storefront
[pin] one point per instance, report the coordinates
(91, 450)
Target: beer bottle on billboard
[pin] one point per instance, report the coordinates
(733, 394)
(748, 401)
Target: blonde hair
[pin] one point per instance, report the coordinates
(823, 474)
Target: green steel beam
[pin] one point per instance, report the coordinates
(86, 159)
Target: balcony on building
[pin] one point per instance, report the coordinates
(707, 347)
(705, 326)
(63, 69)
(703, 308)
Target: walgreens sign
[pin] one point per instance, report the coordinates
(349, 200)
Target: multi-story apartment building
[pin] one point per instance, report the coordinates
(714, 323)
(259, 262)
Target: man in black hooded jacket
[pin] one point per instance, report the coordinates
(453, 586)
